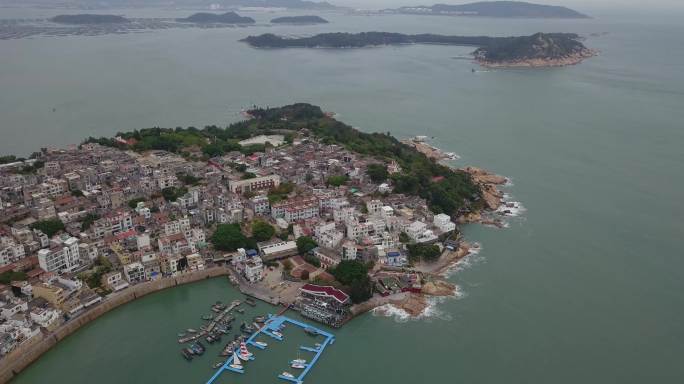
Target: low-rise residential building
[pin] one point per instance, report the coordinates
(277, 250)
(254, 184)
(444, 223)
(134, 272)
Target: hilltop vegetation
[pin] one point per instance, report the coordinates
(299, 20)
(543, 46)
(89, 19)
(225, 18)
(537, 46)
(496, 9)
(453, 193)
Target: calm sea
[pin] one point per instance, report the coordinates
(585, 286)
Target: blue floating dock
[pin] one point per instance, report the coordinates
(276, 324)
(250, 342)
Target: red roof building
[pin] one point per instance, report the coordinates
(326, 292)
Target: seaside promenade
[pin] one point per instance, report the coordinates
(32, 349)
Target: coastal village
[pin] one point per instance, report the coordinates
(301, 223)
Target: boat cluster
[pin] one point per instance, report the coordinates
(219, 324)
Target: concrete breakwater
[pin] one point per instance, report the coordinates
(32, 349)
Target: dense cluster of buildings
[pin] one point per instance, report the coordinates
(121, 227)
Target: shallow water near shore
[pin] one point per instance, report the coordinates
(585, 286)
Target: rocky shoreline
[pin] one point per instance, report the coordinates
(413, 304)
(572, 59)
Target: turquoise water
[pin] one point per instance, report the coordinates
(585, 286)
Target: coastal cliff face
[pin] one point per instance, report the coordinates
(538, 50)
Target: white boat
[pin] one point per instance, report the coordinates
(298, 361)
(236, 364)
(261, 344)
(287, 374)
(276, 333)
(298, 366)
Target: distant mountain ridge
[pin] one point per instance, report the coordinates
(496, 9)
(95, 4)
(299, 20)
(224, 18)
(89, 19)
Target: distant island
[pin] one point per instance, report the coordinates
(225, 18)
(291, 4)
(538, 50)
(299, 20)
(89, 19)
(494, 9)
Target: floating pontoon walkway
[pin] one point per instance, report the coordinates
(275, 324)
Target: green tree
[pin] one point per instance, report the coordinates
(360, 290)
(404, 238)
(305, 244)
(337, 181)
(228, 237)
(423, 252)
(313, 260)
(348, 271)
(77, 193)
(133, 203)
(10, 276)
(262, 231)
(88, 221)
(49, 227)
(172, 193)
(377, 172)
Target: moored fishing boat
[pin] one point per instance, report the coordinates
(236, 364)
(287, 375)
(244, 352)
(298, 366)
(261, 344)
(250, 301)
(311, 331)
(217, 364)
(278, 334)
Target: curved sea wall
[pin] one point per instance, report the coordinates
(32, 349)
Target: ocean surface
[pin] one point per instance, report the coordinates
(586, 285)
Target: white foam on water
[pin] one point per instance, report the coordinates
(467, 261)
(511, 208)
(389, 310)
(431, 311)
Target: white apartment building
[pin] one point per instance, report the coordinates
(62, 256)
(134, 272)
(177, 226)
(10, 251)
(374, 207)
(444, 223)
